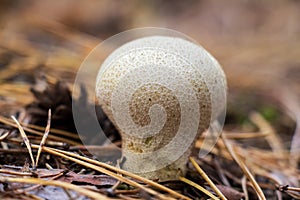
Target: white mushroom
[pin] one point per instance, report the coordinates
(161, 93)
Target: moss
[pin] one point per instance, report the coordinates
(270, 113)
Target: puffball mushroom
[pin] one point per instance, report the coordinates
(161, 93)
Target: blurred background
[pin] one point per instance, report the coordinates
(257, 42)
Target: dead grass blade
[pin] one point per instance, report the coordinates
(199, 187)
(99, 166)
(43, 141)
(244, 168)
(65, 185)
(26, 141)
(207, 179)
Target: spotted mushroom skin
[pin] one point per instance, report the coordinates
(161, 77)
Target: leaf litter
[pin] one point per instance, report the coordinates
(257, 156)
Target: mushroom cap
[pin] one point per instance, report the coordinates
(155, 87)
(200, 68)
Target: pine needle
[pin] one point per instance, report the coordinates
(70, 186)
(53, 130)
(207, 179)
(242, 136)
(244, 168)
(26, 141)
(88, 162)
(105, 171)
(43, 141)
(199, 187)
(273, 139)
(2, 137)
(56, 138)
(244, 186)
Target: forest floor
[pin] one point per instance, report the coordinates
(42, 47)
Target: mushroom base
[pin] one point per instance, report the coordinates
(170, 172)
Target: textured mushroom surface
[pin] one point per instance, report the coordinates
(161, 93)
